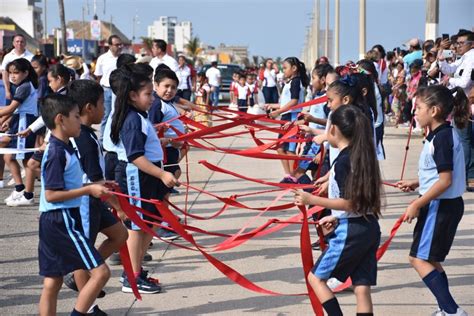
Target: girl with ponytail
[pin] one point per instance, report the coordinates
(140, 168)
(292, 94)
(352, 228)
(441, 183)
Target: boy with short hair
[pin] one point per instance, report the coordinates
(63, 245)
(89, 97)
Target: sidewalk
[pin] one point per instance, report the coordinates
(193, 286)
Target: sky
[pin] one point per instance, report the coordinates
(272, 28)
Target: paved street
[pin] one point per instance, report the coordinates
(193, 286)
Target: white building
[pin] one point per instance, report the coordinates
(25, 14)
(163, 29)
(182, 35)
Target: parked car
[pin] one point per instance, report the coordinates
(226, 78)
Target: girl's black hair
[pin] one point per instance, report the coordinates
(126, 82)
(293, 61)
(345, 86)
(42, 60)
(23, 65)
(452, 101)
(369, 101)
(162, 74)
(322, 70)
(380, 49)
(363, 186)
(125, 59)
(59, 70)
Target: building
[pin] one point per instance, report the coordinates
(240, 53)
(8, 29)
(26, 14)
(80, 29)
(182, 35)
(164, 29)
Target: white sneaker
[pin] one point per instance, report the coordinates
(2, 184)
(438, 312)
(459, 312)
(22, 201)
(333, 283)
(14, 196)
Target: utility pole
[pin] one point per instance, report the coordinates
(362, 25)
(336, 32)
(316, 31)
(432, 19)
(83, 34)
(45, 31)
(326, 35)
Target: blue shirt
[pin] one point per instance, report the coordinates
(90, 154)
(27, 96)
(60, 171)
(139, 138)
(292, 90)
(318, 110)
(442, 152)
(168, 112)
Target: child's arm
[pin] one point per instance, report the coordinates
(8, 110)
(96, 190)
(309, 118)
(444, 182)
(282, 109)
(146, 166)
(305, 198)
(33, 128)
(186, 105)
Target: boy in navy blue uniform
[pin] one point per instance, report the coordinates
(63, 245)
(89, 96)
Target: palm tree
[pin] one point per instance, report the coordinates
(147, 43)
(255, 60)
(62, 17)
(194, 47)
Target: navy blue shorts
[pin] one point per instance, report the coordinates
(242, 104)
(111, 162)
(63, 246)
(18, 123)
(134, 182)
(435, 229)
(351, 252)
(95, 217)
(38, 156)
(291, 117)
(172, 158)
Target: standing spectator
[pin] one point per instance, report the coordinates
(185, 80)
(415, 52)
(269, 82)
(19, 51)
(213, 75)
(463, 75)
(106, 63)
(158, 49)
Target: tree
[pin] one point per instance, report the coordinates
(62, 17)
(194, 47)
(255, 60)
(147, 43)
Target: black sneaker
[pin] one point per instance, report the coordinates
(144, 286)
(114, 259)
(289, 179)
(96, 311)
(147, 257)
(316, 245)
(305, 179)
(71, 283)
(173, 191)
(143, 275)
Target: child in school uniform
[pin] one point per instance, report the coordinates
(23, 111)
(242, 94)
(63, 245)
(89, 96)
(441, 183)
(352, 230)
(253, 89)
(292, 94)
(139, 171)
(203, 90)
(58, 77)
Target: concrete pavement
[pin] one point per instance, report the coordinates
(193, 286)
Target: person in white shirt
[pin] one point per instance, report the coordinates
(185, 79)
(19, 51)
(158, 49)
(213, 75)
(269, 82)
(106, 63)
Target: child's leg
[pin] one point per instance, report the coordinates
(49, 295)
(364, 299)
(436, 281)
(284, 163)
(98, 278)
(117, 235)
(15, 169)
(325, 295)
(32, 170)
(135, 244)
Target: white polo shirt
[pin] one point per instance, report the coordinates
(11, 56)
(213, 75)
(167, 60)
(106, 63)
(184, 75)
